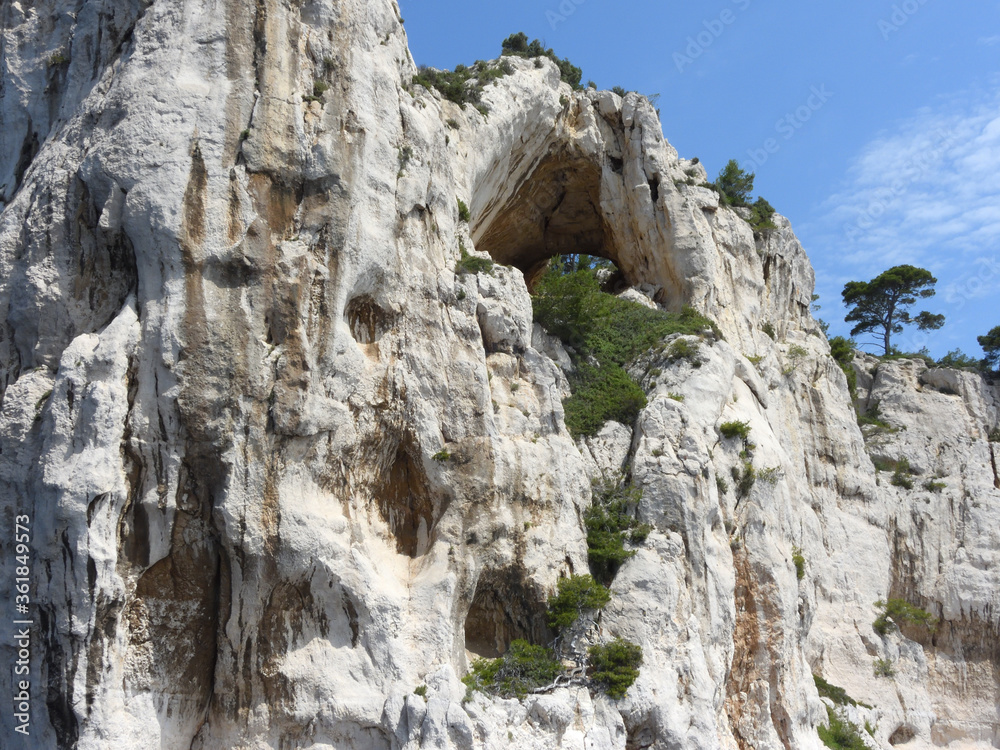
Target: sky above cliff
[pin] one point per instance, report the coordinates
(874, 126)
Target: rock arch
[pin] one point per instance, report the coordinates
(586, 186)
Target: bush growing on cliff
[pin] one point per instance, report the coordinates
(837, 694)
(732, 430)
(991, 346)
(471, 264)
(615, 666)
(515, 674)
(605, 334)
(842, 350)
(517, 45)
(839, 733)
(610, 522)
(894, 612)
(576, 594)
(463, 85)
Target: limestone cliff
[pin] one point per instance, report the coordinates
(235, 348)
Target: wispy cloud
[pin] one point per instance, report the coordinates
(926, 193)
(989, 41)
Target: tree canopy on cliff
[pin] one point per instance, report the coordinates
(991, 345)
(882, 305)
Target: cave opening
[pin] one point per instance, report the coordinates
(504, 608)
(557, 211)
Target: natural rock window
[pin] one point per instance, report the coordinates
(557, 211)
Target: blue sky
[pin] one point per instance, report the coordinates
(883, 117)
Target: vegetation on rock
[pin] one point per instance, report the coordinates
(991, 345)
(839, 733)
(522, 669)
(882, 305)
(604, 334)
(518, 45)
(610, 521)
(734, 187)
(576, 594)
(894, 612)
(615, 666)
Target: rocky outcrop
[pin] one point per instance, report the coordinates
(284, 464)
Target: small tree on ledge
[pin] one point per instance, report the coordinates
(882, 305)
(991, 346)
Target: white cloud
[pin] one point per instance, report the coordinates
(927, 193)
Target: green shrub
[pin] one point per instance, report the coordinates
(603, 329)
(463, 211)
(799, 561)
(732, 430)
(894, 612)
(959, 360)
(600, 394)
(770, 474)
(676, 397)
(575, 594)
(519, 671)
(610, 522)
(517, 45)
(745, 479)
(837, 694)
(615, 666)
(734, 185)
(932, 486)
(319, 88)
(761, 216)
(839, 733)
(421, 691)
(463, 85)
(619, 90)
(883, 668)
(722, 485)
(994, 436)
(58, 59)
(442, 455)
(768, 328)
(684, 349)
(472, 263)
(901, 475)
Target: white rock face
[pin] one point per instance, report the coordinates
(284, 464)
